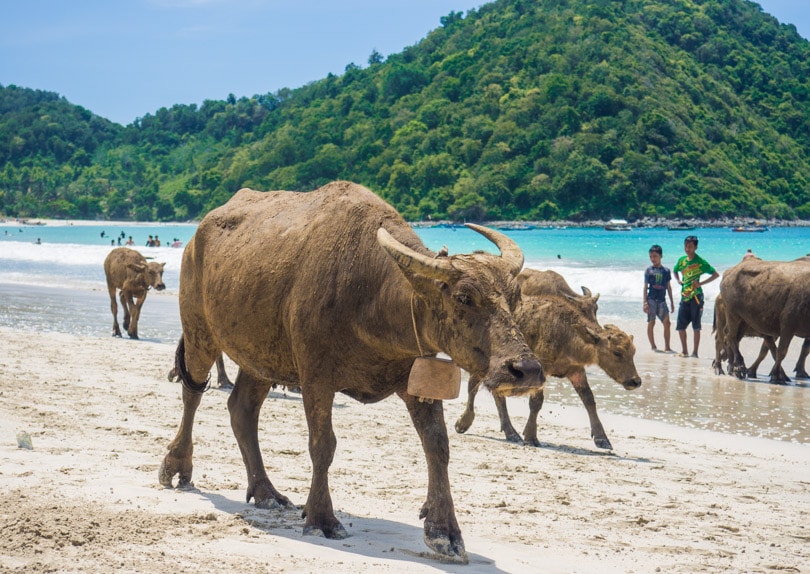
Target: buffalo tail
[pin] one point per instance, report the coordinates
(182, 373)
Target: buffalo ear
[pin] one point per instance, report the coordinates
(137, 267)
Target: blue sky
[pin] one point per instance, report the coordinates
(123, 59)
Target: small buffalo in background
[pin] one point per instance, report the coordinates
(127, 271)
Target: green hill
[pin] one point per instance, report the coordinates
(520, 109)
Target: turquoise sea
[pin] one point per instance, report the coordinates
(58, 285)
(611, 263)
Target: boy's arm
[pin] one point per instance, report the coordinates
(711, 278)
(644, 295)
(671, 300)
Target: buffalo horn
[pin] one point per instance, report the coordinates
(407, 258)
(510, 251)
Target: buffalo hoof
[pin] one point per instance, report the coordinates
(273, 503)
(531, 441)
(449, 549)
(335, 533)
(227, 385)
(464, 423)
(133, 335)
(802, 374)
(602, 442)
(513, 437)
(751, 373)
(166, 474)
(739, 372)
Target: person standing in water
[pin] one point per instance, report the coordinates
(657, 284)
(688, 271)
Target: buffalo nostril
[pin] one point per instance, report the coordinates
(526, 370)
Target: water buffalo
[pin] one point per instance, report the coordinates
(536, 282)
(331, 290)
(770, 298)
(128, 271)
(566, 340)
(768, 345)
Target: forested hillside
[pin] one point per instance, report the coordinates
(520, 109)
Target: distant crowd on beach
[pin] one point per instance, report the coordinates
(150, 242)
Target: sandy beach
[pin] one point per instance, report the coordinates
(100, 413)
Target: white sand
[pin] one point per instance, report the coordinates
(100, 413)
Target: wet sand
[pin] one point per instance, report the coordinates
(685, 392)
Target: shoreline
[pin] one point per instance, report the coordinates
(641, 223)
(100, 413)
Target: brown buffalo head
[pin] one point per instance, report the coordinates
(615, 352)
(149, 275)
(466, 304)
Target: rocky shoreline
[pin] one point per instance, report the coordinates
(646, 222)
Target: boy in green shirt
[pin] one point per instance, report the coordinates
(692, 266)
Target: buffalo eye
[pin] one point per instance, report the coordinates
(463, 299)
(618, 354)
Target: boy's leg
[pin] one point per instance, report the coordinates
(666, 333)
(683, 321)
(697, 314)
(650, 334)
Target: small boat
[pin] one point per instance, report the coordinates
(749, 229)
(617, 225)
(681, 227)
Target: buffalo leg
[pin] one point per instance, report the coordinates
(222, 375)
(579, 380)
(800, 371)
(441, 530)
(114, 309)
(466, 419)
(319, 513)
(768, 344)
(777, 373)
(244, 406)
(178, 461)
(530, 430)
(179, 458)
(126, 303)
(136, 315)
(506, 424)
(736, 364)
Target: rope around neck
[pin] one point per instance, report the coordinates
(413, 320)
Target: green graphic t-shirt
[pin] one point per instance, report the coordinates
(691, 272)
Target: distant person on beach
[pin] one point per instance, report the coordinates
(39, 242)
(657, 284)
(691, 266)
(130, 241)
(749, 255)
(157, 241)
(150, 242)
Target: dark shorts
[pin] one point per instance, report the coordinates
(690, 312)
(657, 309)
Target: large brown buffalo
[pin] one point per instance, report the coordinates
(768, 346)
(768, 298)
(566, 340)
(128, 272)
(332, 291)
